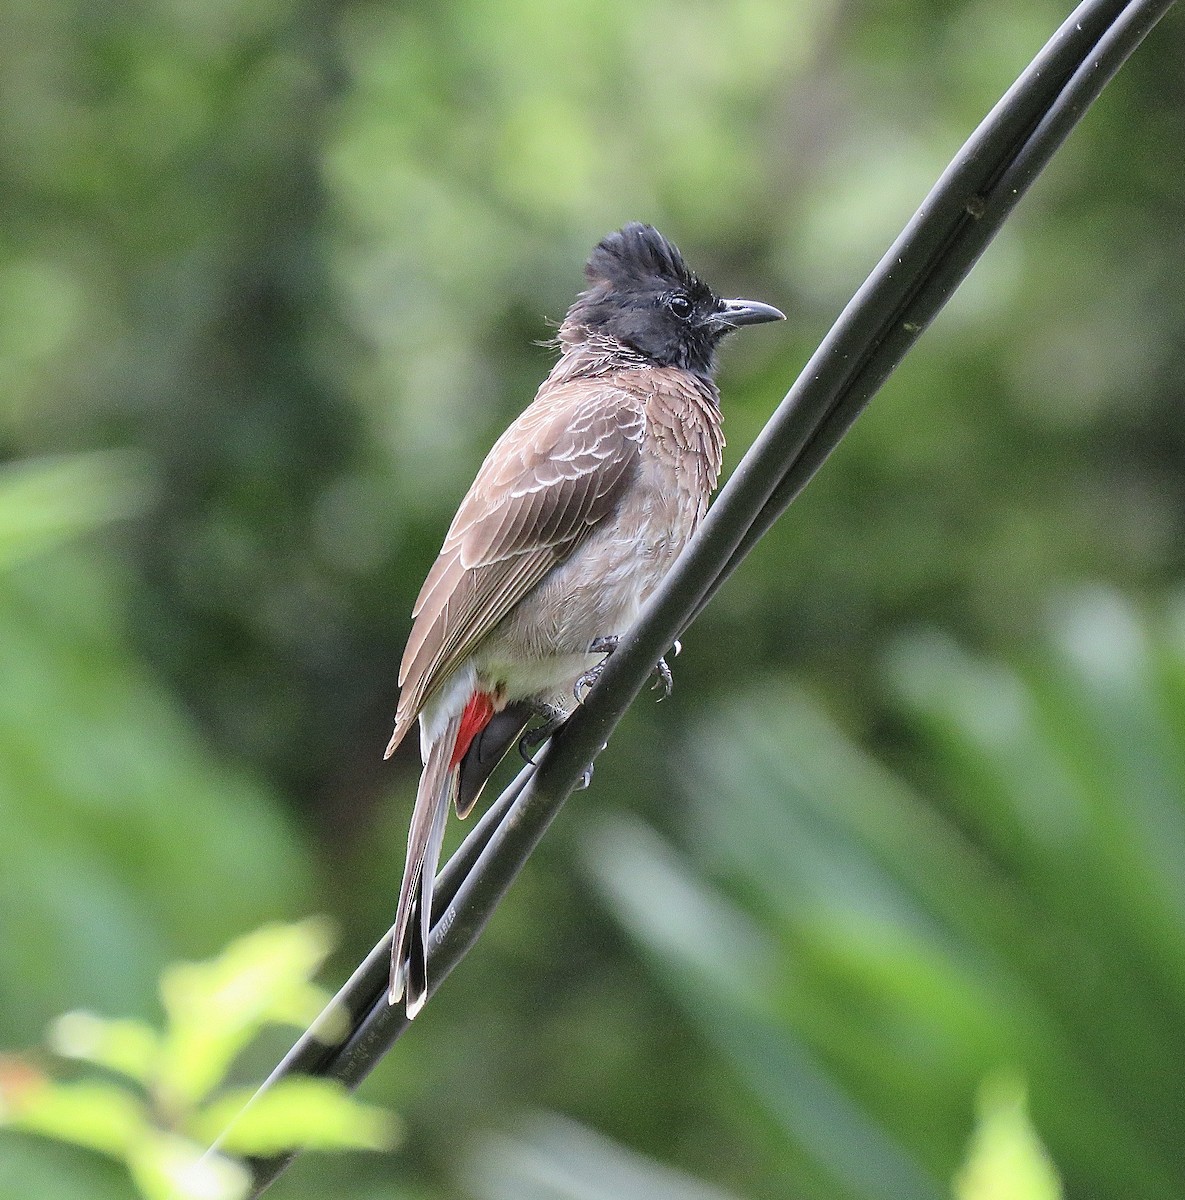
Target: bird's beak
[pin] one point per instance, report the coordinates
(732, 314)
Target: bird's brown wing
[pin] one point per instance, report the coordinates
(550, 478)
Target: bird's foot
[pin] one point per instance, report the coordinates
(662, 674)
(553, 719)
(530, 741)
(606, 645)
(602, 645)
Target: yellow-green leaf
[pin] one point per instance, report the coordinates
(309, 1114)
(129, 1047)
(1006, 1160)
(215, 1008)
(168, 1167)
(100, 1116)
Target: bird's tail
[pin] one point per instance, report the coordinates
(413, 917)
(445, 777)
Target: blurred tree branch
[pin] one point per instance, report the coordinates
(909, 286)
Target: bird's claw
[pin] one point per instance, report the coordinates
(606, 645)
(532, 739)
(587, 681)
(663, 679)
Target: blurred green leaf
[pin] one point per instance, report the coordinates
(1031, 916)
(117, 812)
(309, 1114)
(161, 1129)
(1006, 1160)
(694, 928)
(215, 1008)
(128, 1047)
(734, 1000)
(48, 500)
(100, 1116)
(43, 1168)
(168, 1167)
(552, 1158)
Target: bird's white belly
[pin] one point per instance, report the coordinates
(541, 648)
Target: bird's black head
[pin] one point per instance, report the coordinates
(642, 293)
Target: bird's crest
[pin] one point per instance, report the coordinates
(634, 256)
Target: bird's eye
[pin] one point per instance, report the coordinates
(680, 305)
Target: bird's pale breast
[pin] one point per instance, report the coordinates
(541, 646)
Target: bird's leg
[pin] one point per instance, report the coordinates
(601, 645)
(553, 718)
(606, 645)
(662, 673)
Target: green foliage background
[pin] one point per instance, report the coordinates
(272, 279)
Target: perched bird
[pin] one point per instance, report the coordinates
(576, 514)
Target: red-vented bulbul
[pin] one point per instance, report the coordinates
(576, 514)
